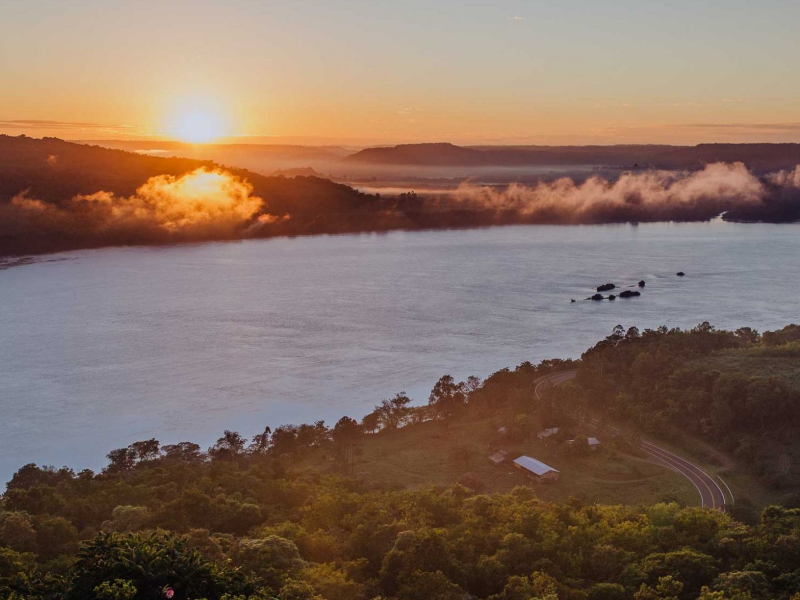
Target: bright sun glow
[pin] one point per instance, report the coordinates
(197, 119)
(198, 126)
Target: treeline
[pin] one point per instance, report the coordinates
(251, 527)
(658, 381)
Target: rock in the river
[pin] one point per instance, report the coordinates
(596, 297)
(572, 299)
(641, 283)
(680, 273)
(605, 287)
(630, 294)
(612, 297)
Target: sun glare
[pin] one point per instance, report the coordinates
(198, 126)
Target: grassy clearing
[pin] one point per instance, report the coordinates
(753, 363)
(434, 454)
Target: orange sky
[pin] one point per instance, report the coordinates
(357, 72)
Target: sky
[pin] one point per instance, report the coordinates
(375, 71)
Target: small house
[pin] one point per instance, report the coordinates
(540, 472)
(546, 433)
(499, 457)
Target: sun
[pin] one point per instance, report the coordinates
(198, 125)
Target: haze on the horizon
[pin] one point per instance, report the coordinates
(313, 71)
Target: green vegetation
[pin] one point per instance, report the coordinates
(735, 390)
(406, 506)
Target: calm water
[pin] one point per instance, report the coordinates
(102, 348)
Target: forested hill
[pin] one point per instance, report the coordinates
(289, 515)
(54, 172)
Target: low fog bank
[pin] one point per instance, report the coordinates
(634, 197)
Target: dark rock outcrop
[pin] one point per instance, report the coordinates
(680, 273)
(630, 294)
(605, 287)
(641, 283)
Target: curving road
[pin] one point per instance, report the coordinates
(711, 494)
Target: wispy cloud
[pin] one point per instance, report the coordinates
(47, 124)
(517, 18)
(409, 110)
(720, 102)
(613, 105)
(763, 127)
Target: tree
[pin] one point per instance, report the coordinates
(691, 568)
(346, 435)
(228, 447)
(17, 532)
(332, 583)
(145, 450)
(54, 536)
(298, 590)
(129, 518)
(668, 588)
(260, 444)
(273, 559)
(422, 585)
(447, 397)
(184, 451)
(312, 436)
(393, 413)
(473, 384)
(371, 422)
(149, 564)
(607, 591)
(121, 459)
(284, 440)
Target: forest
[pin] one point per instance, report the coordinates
(288, 515)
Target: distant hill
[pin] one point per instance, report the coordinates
(439, 155)
(758, 157)
(260, 158)
(182, 148)
(761, 157)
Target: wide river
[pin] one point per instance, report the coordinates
(102, 348)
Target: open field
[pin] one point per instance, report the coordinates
(755, 362)
(431, 454)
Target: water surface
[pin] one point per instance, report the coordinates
(101, 348)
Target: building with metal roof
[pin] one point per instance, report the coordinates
(541, 472)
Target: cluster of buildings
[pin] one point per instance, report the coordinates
(536, 469)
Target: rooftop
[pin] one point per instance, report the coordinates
(546, 433)
(533, 465)
(498, 456)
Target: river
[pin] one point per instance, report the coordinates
(105, 347)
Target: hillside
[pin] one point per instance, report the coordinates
(54, 172)
(405, 505)
(760, 157)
